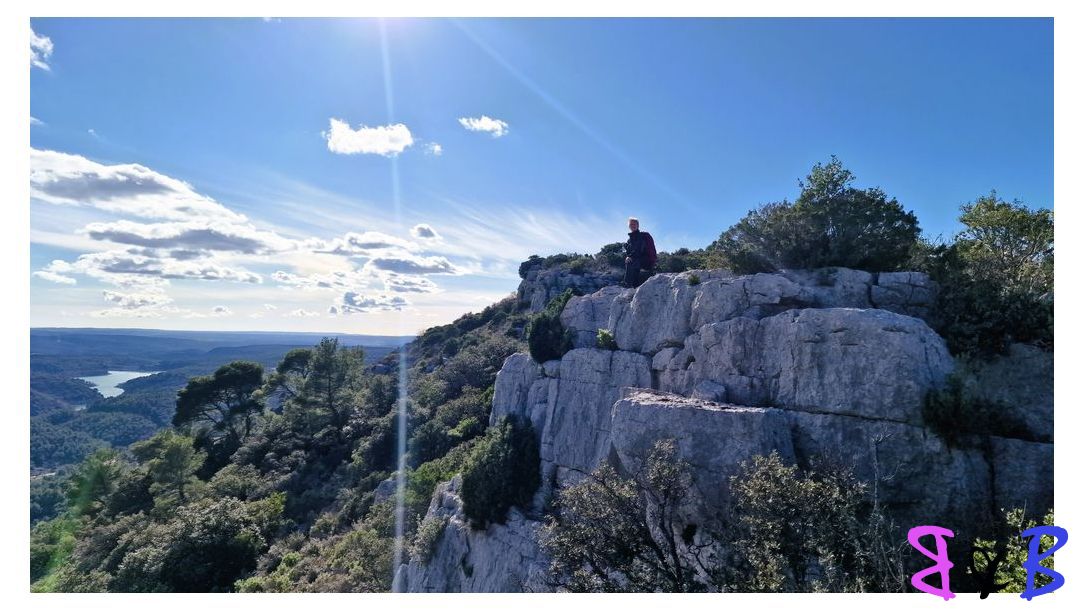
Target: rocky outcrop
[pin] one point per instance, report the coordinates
(822, 367)
(539, 286)
(502, 558)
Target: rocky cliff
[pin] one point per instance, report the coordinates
(826, 364)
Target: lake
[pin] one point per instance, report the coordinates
(109, 384)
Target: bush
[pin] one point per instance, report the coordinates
(502, 471)
(605, 339)
(609, 530)
(996, 278)
(804, 531)
(996, 563)
(426, 538)
(694, 279)
(547, 338)
(831, 224)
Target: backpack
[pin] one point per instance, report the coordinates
(649, 250)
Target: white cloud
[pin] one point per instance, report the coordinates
(355, 303)
(128, 268)
(407, 263)
(434, 149)
(495, 127)
(54, 277)
(36, 121)
(92, 132)
(408, 284)
(132, 189)
(41, 49)
(195, 237)
(363, 244)
(423, 231)
(269, 307)
(303, 313)
(221, 310)
(386, 140)
(136, 301)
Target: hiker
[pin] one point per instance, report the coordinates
(640, 254)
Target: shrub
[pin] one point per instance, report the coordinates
(996, 563)
(694, 279)
(609, 530)
(502, 471)
(426, 538)
(547, 338)
(831, 224)
(605, 339)
(996, 278)
(802, 531)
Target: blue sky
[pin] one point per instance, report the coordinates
(315, 175)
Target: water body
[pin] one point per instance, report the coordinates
(109, 384)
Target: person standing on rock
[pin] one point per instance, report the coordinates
(640, 254)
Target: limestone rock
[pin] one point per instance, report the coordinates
(586, 314)
(1023, 383)
(1024, 474)
(502, 558)
(541, 285)
(713, 438)
(868, 363)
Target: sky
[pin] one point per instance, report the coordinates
(385, 176)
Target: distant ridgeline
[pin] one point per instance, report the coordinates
(819, 369)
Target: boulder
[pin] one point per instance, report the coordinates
(586, 314)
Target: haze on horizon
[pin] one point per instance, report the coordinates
(381, 177)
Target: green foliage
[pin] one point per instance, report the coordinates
(958, 417)
(92, 483)
(831, 224)
(223, 404)
(503, 471)
(604, 339)
(547, 338)
(808, 531)
(48, 495)
(172, 463)
(620, 534)
(996, 278)
(996, 563)
(426, 538)
(694, 279)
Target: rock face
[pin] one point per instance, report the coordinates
(1021, 383)
(541, 285)
(818, 366)
(502, 558)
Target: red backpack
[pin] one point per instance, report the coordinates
(650, 250)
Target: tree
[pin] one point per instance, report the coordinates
(93, 481)
(1009, 244)
(502, 471)
(618, 534)
(172, 463)
(223, 403)
(291, 372)
(832, 223)
(996, 278)
(335, 376)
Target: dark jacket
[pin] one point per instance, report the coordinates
(636, 247)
